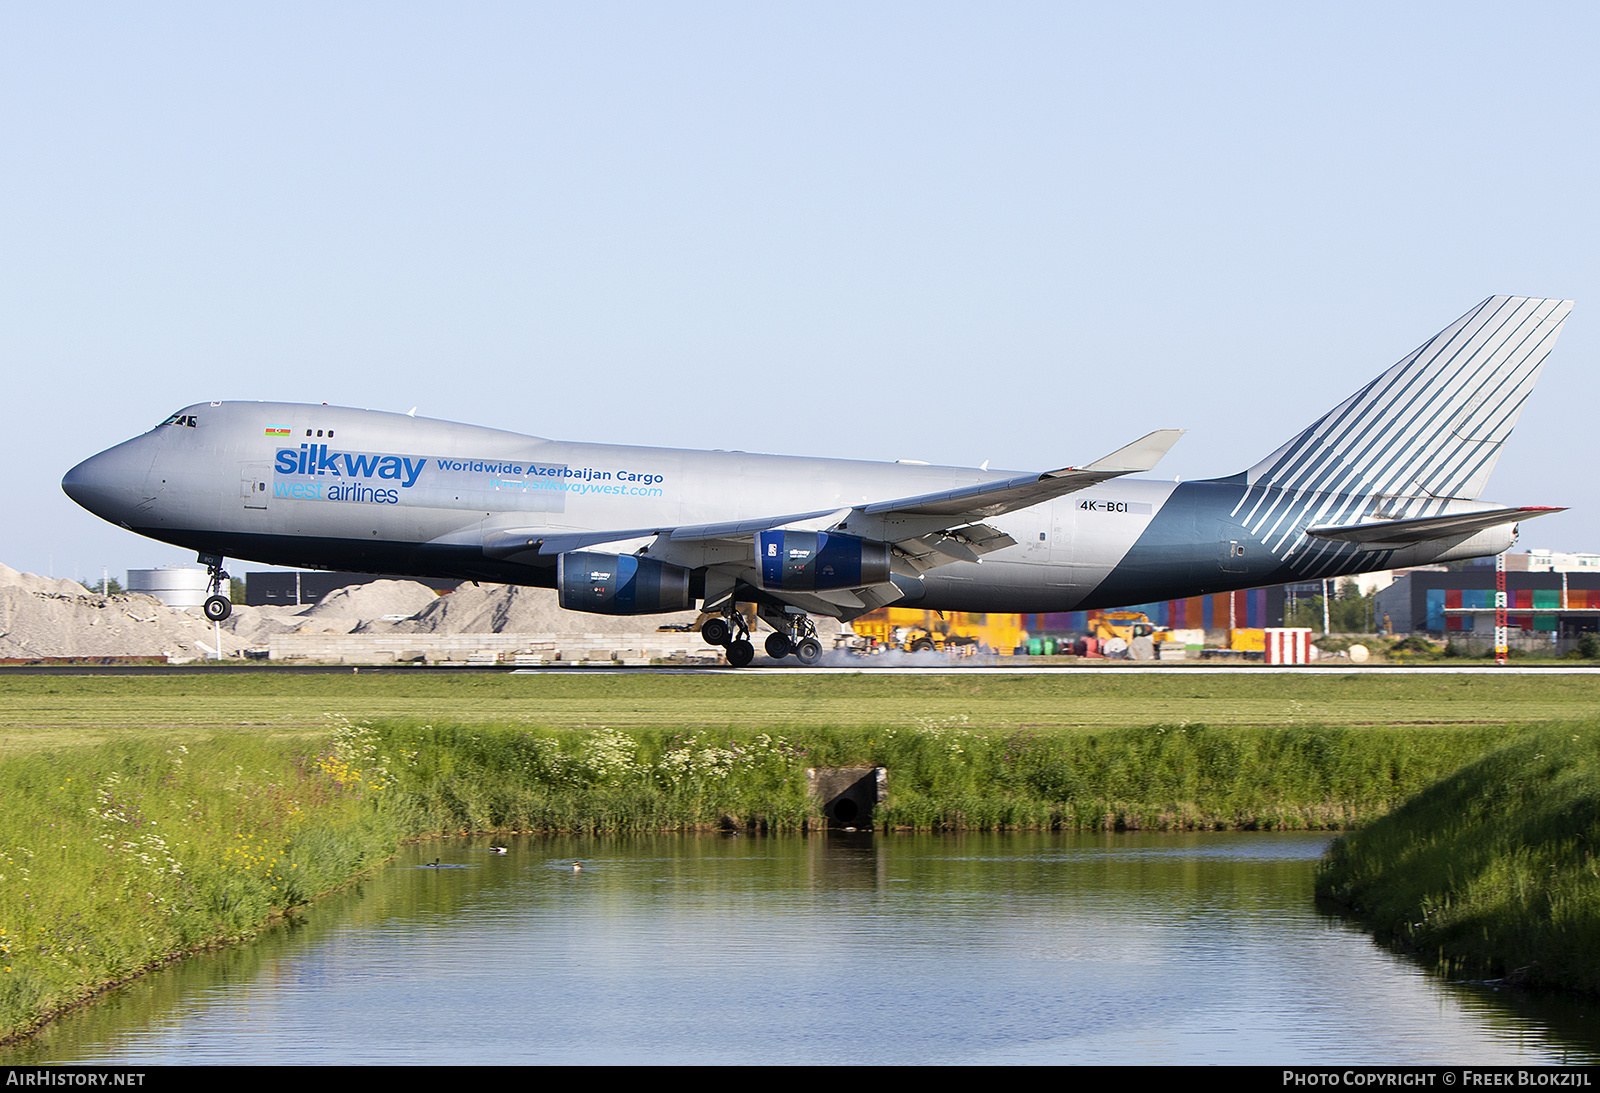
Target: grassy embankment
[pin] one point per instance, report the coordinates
(1492, 871)
(116, 857)
(143, 817)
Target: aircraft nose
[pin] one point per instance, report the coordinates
(109, 484)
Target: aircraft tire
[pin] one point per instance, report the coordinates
(809, 652)
(716, 631)
(741, 653)
(217, 608)
(779, 646)
(923, 646)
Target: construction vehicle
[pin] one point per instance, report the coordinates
(1126, 625)
(1112, 634)
(919, 639)
(913, 631)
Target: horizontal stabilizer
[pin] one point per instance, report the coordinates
(1385, 534)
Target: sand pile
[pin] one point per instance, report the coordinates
(347, 610)
(254, 627)
(511, 609)
(40, 617)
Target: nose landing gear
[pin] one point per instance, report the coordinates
(217, 606)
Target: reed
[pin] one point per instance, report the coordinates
(943, 775)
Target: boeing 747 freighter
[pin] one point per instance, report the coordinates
(1389, 477)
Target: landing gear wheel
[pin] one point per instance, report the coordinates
(779, 646)
(741, 653)
(809, 652)
(716, 631)
(923, 646)
(217, 606)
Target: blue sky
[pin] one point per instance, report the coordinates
(1023, 233)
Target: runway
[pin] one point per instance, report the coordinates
(1130, 669)
(771, 669)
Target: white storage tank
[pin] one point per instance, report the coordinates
(173, 585)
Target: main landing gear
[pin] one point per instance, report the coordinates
(793, 632)
(218, 606)
(732, 633)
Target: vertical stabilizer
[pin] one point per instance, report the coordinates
(1430, 428)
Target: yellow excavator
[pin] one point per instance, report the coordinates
(1117, 629)
(920, 639)
(1126, 625)
(915, 631)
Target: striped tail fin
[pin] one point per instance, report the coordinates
(1428, 430)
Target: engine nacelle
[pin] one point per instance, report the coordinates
(815, 561)
(620, 584)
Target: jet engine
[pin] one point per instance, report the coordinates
(620, 584)
(816, 561)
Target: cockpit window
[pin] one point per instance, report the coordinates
(179, 418)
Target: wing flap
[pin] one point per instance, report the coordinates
(738, 529)
(512, 543)
(965, 544)
(843, 603)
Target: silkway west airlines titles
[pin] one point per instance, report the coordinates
(1389, 477)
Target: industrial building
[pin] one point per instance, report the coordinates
(1249, 608)
(1440, 602)
(173, 585)
(296, 588)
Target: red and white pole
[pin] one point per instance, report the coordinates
(1500, 609)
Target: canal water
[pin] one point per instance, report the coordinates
(1031, 948)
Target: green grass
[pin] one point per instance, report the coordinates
(1492, 871)
(944, 776)
(115, 858)
(55, 711)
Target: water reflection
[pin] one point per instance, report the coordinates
(902, 949)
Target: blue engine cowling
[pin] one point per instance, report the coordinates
(815, 561)
(620, 584)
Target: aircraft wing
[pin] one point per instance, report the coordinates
(1383, 534)
(934, 529)
(502, 544)
(994, 498)
(922, 531)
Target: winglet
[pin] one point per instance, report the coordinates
(1142, 455)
